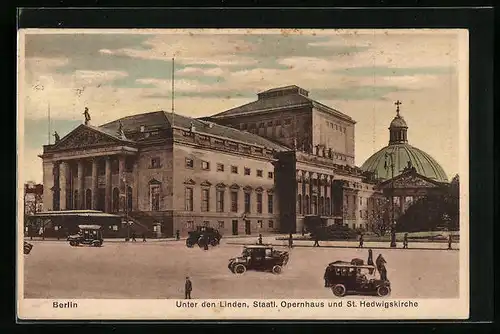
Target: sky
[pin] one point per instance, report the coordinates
(359, 72)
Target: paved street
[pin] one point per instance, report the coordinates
(156, 269)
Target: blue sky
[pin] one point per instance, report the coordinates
(360, 73)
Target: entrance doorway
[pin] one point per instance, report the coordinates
(247, 227)
(235, 227)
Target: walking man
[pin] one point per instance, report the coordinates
(316, 240)
(290, 240)
(143, 236)
(449, 241)
(405, 241)
(133, 237)
(380, 262)
(188, 287)
(361, 241)
(260, 239)
(303, 231)
(370, 260)
(177, 235)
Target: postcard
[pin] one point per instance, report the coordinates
(258, 174)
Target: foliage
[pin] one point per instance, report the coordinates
(334, 232)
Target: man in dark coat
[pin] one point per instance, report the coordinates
(316, 240)
(449, 241)
(177, 235)
(260, 239)
(405, 241)
(380, 263)
(188, 287)
(290, 241)
(370, 260)
(361, 241)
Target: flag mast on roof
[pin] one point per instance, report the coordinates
(173, 97)
(48, 120)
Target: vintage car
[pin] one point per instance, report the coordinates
(203, 235)
(27, 248)
(260, 258)
(346, 277)
(88, 235)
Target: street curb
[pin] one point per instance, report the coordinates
(347, 247)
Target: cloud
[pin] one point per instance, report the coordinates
(394, 71)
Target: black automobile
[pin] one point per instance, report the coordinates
(348, 277)
(202, 236)
(27, 248)
(90, 235)
(259, 258)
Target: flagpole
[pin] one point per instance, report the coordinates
(173, 91)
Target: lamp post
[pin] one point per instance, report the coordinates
(125, 206)
(389, 157)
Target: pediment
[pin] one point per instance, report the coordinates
(234, 186)
(220, 185)
(190, 182)
(259, 189)
(84, 137)
(410, 180)
(270, 190)
(247, 188)
(154, 182)
(205, 184)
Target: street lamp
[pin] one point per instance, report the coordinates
(389, 157)
(125, 206)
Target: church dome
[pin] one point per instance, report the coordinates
(423, 163)
(403, 155)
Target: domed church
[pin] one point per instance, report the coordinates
(405, 172)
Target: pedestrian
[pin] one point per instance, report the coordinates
(143, 236)
(316, 240)
(361, 240)
(405, 241)
(177, 235)
(188, 287)
(133, 237)
(205, 243)
(290, 240)
(260, 239)
(303, 231)
(370, 260)
(380, 263)
(449, 241)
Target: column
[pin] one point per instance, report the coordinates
(328, 212)
(95, 179)
(81, 191)
(121, 184)
(402, 204)
(63, 182)
(332, 207)
(310, 193)
(303, 173)
(318, 201)
(56, 200)
(107, 191)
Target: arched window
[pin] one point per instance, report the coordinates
(116, 200)
(306, 205)
(327, 207)
(75, 200)
(314, 206)
(299, 201)
(129, 198)
(321, 205)
(88, 199)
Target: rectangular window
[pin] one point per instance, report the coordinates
(155, 163)
(270, 203)
(259, 172)
(220, 224)
(336, 127)
(346, 200)
(361, 201)
(271, 224)
(189, 163)
(260, 223)
(366, 214)
(247, 171)
(261, 125)
(259, 203)
(220, 200)
(247, 202)
(234, 201)
(234, 169)
(188, 198)
(270, 175)
(205, 165)
(288, 121)
(360, 214)
(243, 126)
(270, 123)
(205, 200)
(190, 225)
(155, 198)
(206, 223)
(220, 167)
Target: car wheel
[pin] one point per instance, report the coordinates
(189, 244)
(239, 269)
(383, 291)
(339, 290)
(214, 242)
(72, 243)
(277, 269)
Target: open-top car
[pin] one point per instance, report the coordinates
(260, 258)
(203, 235)
(346, 277)
(88, 235)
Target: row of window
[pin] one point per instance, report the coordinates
(220, 204)
(367, 201)
(251, 126)
(336, 127)
(221, 224)
(205, 165)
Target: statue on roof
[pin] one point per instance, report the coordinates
(56, 137)
(121, 133)
(86, 114)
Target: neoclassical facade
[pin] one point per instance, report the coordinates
(170, 172)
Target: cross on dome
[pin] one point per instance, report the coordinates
(398, 103)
